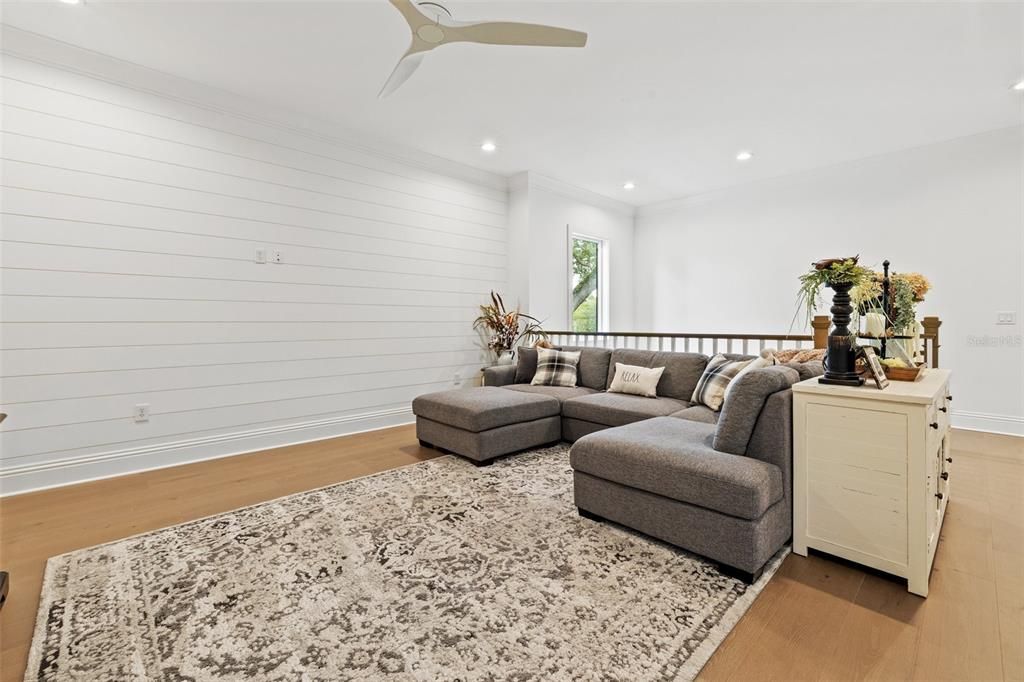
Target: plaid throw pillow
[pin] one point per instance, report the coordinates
(555, 368)
(720, 371)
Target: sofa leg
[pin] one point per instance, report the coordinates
(482, 463)
(425, 444)
(589, 515)
(746, 576)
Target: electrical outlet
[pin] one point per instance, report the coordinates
(261, 255)
(142, 412)
(275, 256)
(457, 379)
(1006, 317)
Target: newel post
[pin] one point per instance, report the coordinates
(931, 330)
(821, 324)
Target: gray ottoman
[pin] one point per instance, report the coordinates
(486, 422)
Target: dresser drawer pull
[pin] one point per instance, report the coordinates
(934, 425)
(939, 495)
(943, 409)
(949, 397)
(945, 475)
(949, 459)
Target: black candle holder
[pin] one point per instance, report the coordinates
(841, 356)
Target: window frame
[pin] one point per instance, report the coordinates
(602, 278)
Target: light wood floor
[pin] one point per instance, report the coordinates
(817, 618)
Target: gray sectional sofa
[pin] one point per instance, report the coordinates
(716, 483)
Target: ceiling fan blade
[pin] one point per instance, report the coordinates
(413, 16)
(405, 68)
(514, 33)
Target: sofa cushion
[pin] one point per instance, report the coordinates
(714, 383)
(562, 393)
(698, 413)
(743, 406)
(593, 367)
(556, 367)
(807, 370)
(674, 458)
(615, 409)
(482, 408)
(682, 370)
(526, 364)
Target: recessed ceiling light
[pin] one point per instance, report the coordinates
(488, 146)
(744, 156)
(629, 186)
(1018, 86)
(71, 2)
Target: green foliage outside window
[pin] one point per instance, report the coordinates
(585, 277)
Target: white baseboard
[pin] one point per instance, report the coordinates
(993, 423)
(91, 467)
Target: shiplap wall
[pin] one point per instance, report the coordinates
(130, 221)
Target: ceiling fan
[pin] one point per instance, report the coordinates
(432, 26)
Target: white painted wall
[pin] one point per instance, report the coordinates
(132, 207)
(728, 260)
(542, 212)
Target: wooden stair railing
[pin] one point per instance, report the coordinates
(710, 343)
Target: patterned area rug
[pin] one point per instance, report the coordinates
(435, 571)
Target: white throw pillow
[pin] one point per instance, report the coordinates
(636, 380)
(756, 363)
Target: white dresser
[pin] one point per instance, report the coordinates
(871, 472)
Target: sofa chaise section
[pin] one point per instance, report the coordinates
(722, 490)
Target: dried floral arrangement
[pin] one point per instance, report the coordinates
(506, 328)
(906, 290)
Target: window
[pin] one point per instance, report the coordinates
(586, 296)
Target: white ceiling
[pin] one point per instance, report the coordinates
(665, 93)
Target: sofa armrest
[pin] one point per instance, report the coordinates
(499, 375)
(744, 403)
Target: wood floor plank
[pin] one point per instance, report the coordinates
(878, 638)
(818, 618)
(732, 652)
(798, 639)
(959, 630)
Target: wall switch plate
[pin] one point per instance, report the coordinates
(275, 256)
(1006, 317)
(141, 412)
(261, 255)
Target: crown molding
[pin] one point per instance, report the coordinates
(42, 49)
(571, 191)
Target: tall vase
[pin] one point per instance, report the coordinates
(841, 358)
